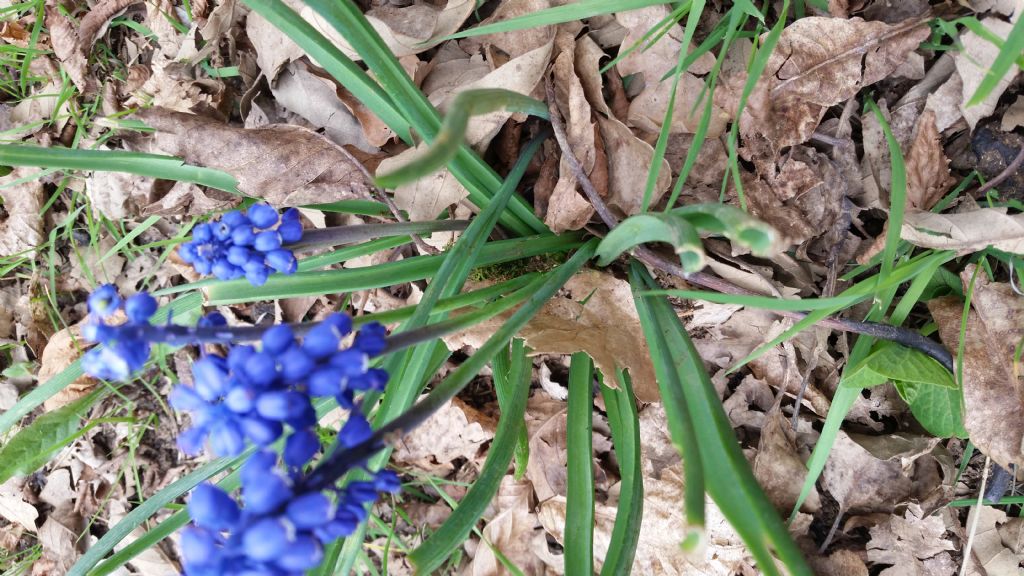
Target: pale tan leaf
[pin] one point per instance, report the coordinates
(517, 42)
(282, 164)
(902, 541)
(23, 228)
(425, 198)
(511, 531)
(993, 390)
(989, 555)
(446, 436)
(13, 506)
(779, 468)
(945, 102)
(974, 63)
(62, 349)
(965, 232)
(314, 98)
(607, 327)
(819, 62)
(629, 160)
(862, 483)
(1013, 117)
(927, 167)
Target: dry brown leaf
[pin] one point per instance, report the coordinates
(1013, 117)
(513, 531)
(428, 196)
(928, 176)
(647, 111)
(779, 468)
(62, 349)
(447, 436)
(13, 506)
(606, 327)
(117, 195)
(862, 483)
(965, 232)
(314, 98)
(904, 542)
(819, 62)
(989, 556)
(282, 164)
(629, 160)
(517, 42)
(974, 63)
(23, 228)
(993, 390)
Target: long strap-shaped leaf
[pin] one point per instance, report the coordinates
(432, 553)
(579, 506)
(622, 419)
(728, 477)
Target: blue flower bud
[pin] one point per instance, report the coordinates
(106, 363)
(325, 381)
(241, 399)
(185, 399)
(202, 233)
(259, 465)
(310, 510)
(210, 507)
(262, 215)
(199, 546)
(225, 270)
(221, 230)
(234, 218)
(295, 364)
(291, 231)
(191, 441)
(104, 301)
(256, 274)
(261, 431)
(282, 261)
(304, 553)
(387, 481)
(211, 320)
(243, 236)
(344, 524)
(300, 447)
(238, 255)
(188, 252)
(355, 430)
(322, 340)
(265, 540)
(371, 339)
(140, 307)
(238, 356)
(351, 361)
(226, 438)
(267, 241)
(282, 405)
(210, 377)
(277, 339)
(265, 494)
(261, 369)
(361, 492)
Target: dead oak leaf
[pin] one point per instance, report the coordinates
(819, 62)
(607, 328)
(965, 232)
(282, 164)
(23, 228)
(927, 166)
(905, 541)
(993, 390)
(974, 63)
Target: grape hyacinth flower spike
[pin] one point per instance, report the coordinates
(250, 244)
(126, 346)
(282, 524)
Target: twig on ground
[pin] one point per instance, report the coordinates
(1007, 172)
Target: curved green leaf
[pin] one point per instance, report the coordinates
(659, 227)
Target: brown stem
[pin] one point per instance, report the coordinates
(1007, 172)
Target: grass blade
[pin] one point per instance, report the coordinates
(556, 15)
(579, 507)
(728, 477)
(433, 552)
(153, 165)
(1008, 54)
(625, 426)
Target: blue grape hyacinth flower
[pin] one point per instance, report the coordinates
(281, 525)
(253, 393)
(250, 244)
(126, 346)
